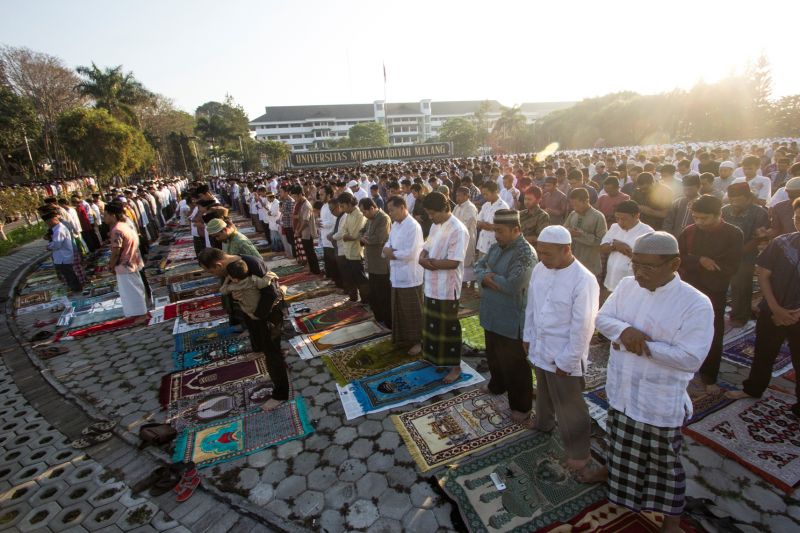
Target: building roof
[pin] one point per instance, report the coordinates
(463, 107)
(543, 108)
(305, 112)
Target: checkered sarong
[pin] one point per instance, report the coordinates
(644, 468)
(441, 332)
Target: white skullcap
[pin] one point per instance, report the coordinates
(727, 164)
(656, 243)
(793, 184)
(555, 235)
(352, 183)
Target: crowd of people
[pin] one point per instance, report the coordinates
(646, 247)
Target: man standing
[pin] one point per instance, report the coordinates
(533, 219)
(760, 186)
(607, 203)
(126, 261)
(654, 200)
(493, 204)
(782, 213)
(350, 235)
(374, 235)
(233, 242)
(710, 254)
(753, 221)
(287, 229)
(655, 351)
(61, 246)
(680, 213)
(467, 213)
(509, 193)
(406, 275)
(559, 323)
(442, 258)
(327, 220)
(779, 316)
(306, 228)
(554, 201)
(725, 178)
(587, 226)
(618, 242)
(504, 273)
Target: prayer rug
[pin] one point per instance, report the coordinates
(198, 287)
(306, 307)
(52, 304)
(293, 279)
(286, 270)
(313, 294)
(595, 374)
(242, 435)
(447, 430)
(761, 434)
(365, 360)
(232, 398)
(296, 291)
(329, 318)
(539, 489)
(311, 345)
(472, 334)
(193, 339)
(173, 310)
(95, 317)
(33, 298)
(211, 352)
(105, 327)
(741, 351)
(198, 273)
(470, 302)
(180, 327)
(418, 389)
(606, 517)
(208, 377)
(198, 316)
(790, 375)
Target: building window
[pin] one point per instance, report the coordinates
(297, 125)
(379, 107)
(297, 136)
(285, 137)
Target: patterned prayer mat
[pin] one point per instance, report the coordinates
(208, 353)
(298, 290)
(365, 360)
(790, 375)
(33, 298)
(198, 316)
(329, 318)
(409, 388)
(606, 517)
(197, 273)
(447, 430)
(314, 294)
(185, 342)
(298, 277)
(173, 310)
(595, 374)
(232, 398)
(202, 379)
(95, 317)
(472, 334)
(315, 344)
(286, 270)
(741, 351)
(105, 327)
(242, 435)
(189, 289)
(539, 489)
(761, 434)
(308, 306)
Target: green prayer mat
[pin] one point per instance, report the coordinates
(539, 489)
(365, 360)
(472, 333)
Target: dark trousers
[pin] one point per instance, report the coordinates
(90, 238)
(331, 268)
(356, 280)
(380, 298)
(769, 339)
(70, 277)
(311, 255)
(341, 266)
(266, 338)
(710, 369)
(742, 291)
(510, 371)
(199, 244)
(289, 232)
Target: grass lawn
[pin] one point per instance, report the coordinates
(20, 236)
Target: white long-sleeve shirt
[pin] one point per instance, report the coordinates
(619, 265)
(559, 317)
(405, 240)
(327, 222)
(486, 238)
(447, 240)
(680, 320)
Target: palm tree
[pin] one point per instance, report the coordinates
(509, 126)
(114, 90)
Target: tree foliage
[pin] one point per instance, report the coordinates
(222, 123)
(463, 133)
(19, 125)
(114, 90)
(103, 145)
(366, 134)
(276, 152)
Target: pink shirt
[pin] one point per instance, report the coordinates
(126, 240)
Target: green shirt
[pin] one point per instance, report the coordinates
(238, 244)
(586, 246)
(533, 221)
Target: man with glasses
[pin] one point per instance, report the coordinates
(711, 250)
(655, 351)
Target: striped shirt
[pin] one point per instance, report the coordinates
(447, 240)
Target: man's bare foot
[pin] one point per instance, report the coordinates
(592, 474)
(712, 388)
(485, 390)
(526, 420)
(576, 465)
(737, 395)
(453, 375)
(271, 404)
(415, 350)
(672, 524)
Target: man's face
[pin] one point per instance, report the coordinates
(396, 213)
(505, 234)
(109, 219)
(750, 171)
(626, 220)
(369, 213)
(461, 197)
(393, 191)
(437, 217)
(740, 201)
(600, 168)
(611, 189)
(578, 205)
(652, 271)
(797, 219)
(705, 220)
(549, 187)
(346, 207)
(216, 269)
(725, 172)
(508, 182)
(574, 183)
(782, 166)
(690, 191)
(531, 201)
(551, 255)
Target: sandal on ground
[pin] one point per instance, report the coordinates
(90, 440)
(187, 489)
(97, 428)
(52, 351)
(41, 335)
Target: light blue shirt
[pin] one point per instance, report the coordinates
(61, 245)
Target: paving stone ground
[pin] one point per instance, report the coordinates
(346, 476)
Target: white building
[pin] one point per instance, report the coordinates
(309, 127)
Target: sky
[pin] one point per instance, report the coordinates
(272, 53)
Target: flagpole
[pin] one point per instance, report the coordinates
(385, 107)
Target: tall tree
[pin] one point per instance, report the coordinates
(19, 124)
(482, 122)
(462, 133)
(114, 90)
(508, 129)
(366, 134)
(103, 145)
(276, 152)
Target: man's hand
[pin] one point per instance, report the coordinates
(622, 248)
(488, 281)
(575, 232)
(635, 341)
(425, 263)
(560, 372)
(709, 264)
(388, 253)
(785, 317)
(526, 346)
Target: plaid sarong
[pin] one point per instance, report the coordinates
(406, 315)
(644, 468)
(441, 334)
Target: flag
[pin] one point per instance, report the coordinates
(384, 73)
